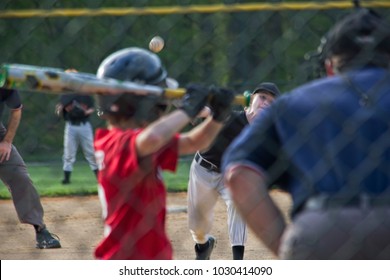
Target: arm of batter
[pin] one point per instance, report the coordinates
(154, 136)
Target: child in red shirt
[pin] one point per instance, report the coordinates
(137, 145)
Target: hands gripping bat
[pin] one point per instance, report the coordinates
(58, 81)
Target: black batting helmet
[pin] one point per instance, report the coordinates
(133, 64)
(362, 38)
(139, 66)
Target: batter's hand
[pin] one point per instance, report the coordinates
(220, 103)
(194, 100)
(5, 150)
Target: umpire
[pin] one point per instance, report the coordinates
(15, 176)
(330, 150)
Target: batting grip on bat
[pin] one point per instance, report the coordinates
(58, 81)
(180, 92)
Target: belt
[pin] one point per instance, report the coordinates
(361, 201)
(206, 164)
(78, 122)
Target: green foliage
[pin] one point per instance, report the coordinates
(47, 179)
(178, 181)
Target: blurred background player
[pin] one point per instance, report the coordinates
(14, 174)
(76, 110)
(137, 145)
(326, 143)
(206, 185)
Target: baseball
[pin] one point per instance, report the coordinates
(156, 44)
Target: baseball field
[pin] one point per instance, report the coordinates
(77, 221)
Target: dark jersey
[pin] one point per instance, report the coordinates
(231, 129)
(77, 103)
(11, 99)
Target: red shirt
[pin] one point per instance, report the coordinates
(133, 197)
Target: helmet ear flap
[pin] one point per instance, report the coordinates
(148, 108)
(141, 108)
(115, 105)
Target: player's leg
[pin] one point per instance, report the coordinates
(70, 151)
(26, 199)
(237, 229)
(201, 200)
(86, 141)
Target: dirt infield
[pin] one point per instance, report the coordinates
(77, 220)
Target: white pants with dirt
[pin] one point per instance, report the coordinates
(204, 188)
(75, 136)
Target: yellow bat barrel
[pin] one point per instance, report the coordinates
(58, 81)
(179, 93)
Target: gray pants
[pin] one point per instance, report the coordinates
(338, 233)
(74, 136)
(13, 173)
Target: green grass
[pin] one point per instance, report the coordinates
(47, 179)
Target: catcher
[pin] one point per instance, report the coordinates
(14, 173)
(137, 145)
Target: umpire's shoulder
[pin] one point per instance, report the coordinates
(310, 88)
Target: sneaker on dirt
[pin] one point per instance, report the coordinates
(46, 240)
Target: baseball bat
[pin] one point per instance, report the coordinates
(58, 81)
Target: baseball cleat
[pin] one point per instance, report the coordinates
(203, 251)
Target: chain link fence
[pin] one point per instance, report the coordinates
(238, 47)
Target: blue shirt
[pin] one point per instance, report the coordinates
(324, 137)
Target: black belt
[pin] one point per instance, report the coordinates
(205, 164)
(78, 122)
(361, 201)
